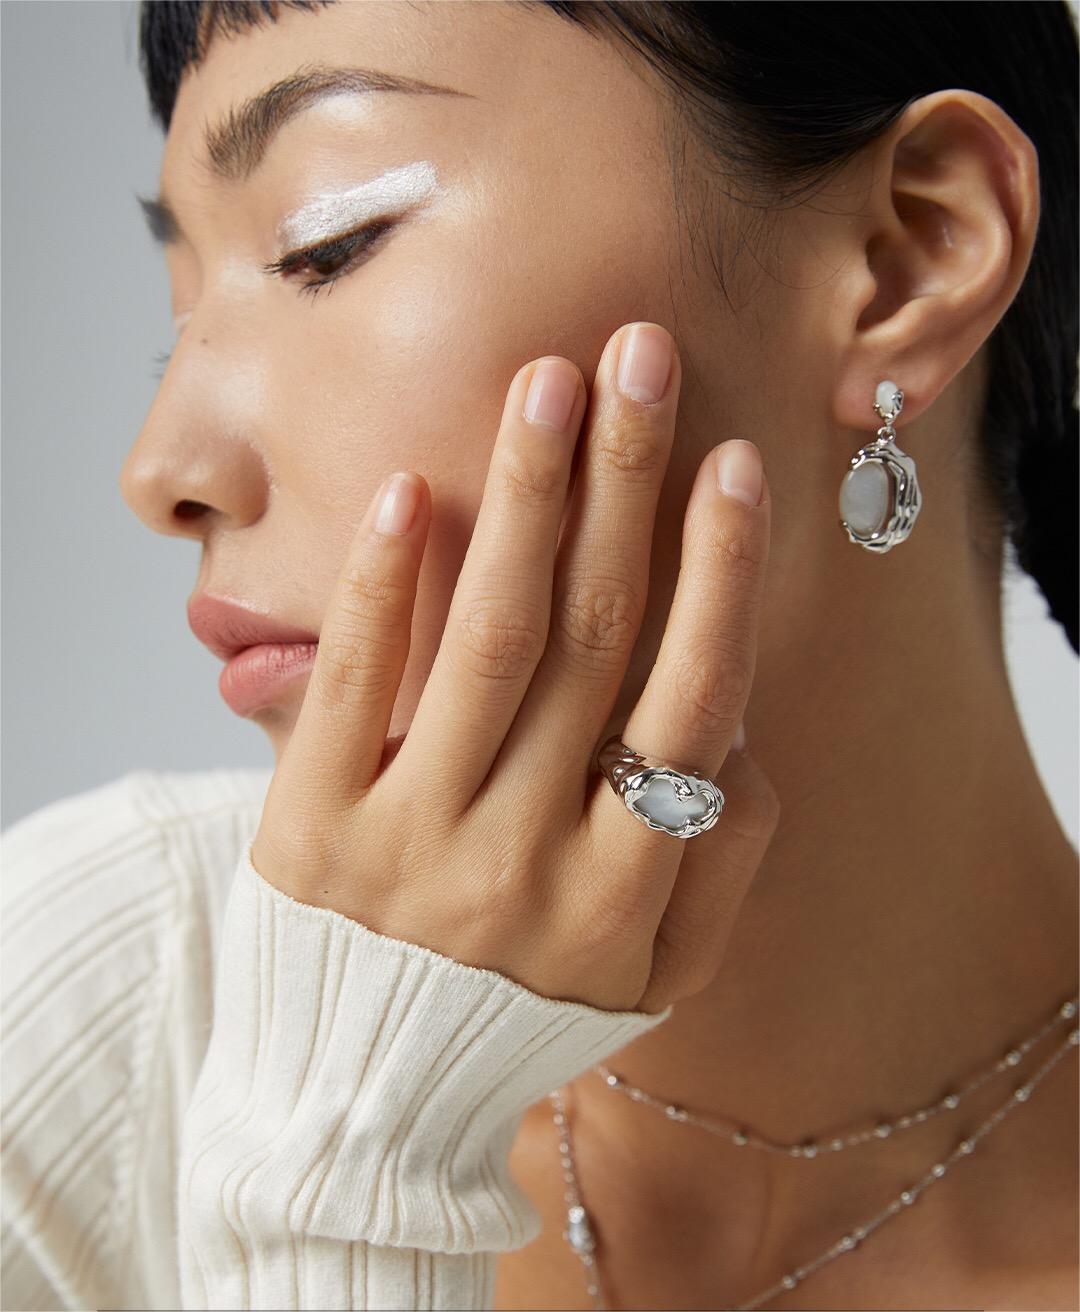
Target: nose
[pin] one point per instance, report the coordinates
(194, 466)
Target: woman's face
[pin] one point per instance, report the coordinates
(532, 212)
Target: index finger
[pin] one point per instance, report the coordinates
(336, 746)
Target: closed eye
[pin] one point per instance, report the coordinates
(331, 260)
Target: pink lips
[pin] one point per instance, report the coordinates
(263, 656)
(227, 627)
(258, 675)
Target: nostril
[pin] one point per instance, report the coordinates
(189, 510)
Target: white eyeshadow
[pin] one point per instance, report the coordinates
(333, 212)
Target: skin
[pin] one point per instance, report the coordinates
(915, 911)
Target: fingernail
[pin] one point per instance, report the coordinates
(397, 504)
(738, 470)
(739, 740)
(551, 395)
(645, 353)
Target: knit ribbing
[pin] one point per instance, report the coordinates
(360, 1090)
(344, 1102)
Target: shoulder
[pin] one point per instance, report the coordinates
(111, 899)
(116, 833)
(104, 893)
(92, 881)
(139, 798)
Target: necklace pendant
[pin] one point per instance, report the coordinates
(578, 1233)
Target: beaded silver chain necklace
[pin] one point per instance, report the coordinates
(579, 1231)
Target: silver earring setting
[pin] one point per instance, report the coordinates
(880, 496)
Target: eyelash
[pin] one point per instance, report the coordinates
(352, 245)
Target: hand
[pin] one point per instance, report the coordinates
(490, 838)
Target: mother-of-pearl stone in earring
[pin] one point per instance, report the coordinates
(879, 495)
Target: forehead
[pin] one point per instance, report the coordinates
(504, 59)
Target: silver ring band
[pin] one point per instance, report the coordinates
(679, 803)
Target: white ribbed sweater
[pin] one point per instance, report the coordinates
(215, 1096)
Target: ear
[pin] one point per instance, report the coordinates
(953, 212)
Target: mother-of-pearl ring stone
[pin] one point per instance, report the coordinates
(680, 805)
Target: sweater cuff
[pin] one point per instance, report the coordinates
(358, 1086)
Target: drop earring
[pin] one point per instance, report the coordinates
(880, 496)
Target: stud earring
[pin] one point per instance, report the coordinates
(880, 496)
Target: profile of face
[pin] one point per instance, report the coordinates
(529, 209)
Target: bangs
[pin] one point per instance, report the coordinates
(174, 34)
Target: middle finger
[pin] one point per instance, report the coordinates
(602, 565)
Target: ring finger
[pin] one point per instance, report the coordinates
(697, 691)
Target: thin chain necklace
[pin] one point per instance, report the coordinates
(579, 1233)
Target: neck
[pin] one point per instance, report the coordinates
(913, 918)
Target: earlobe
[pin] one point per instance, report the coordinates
(954, 210)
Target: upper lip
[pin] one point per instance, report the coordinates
(227, 628)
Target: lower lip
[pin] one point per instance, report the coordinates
(258, 675)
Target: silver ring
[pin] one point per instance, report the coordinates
(679, 803)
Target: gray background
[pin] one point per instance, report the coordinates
(101, 673)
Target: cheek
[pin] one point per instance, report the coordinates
(406, 363)
(458, 309)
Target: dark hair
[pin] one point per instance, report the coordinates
(785, 94)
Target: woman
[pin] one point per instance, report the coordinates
(715, 278)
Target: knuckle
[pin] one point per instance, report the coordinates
(712, 687)
(371, 596)
(737, 549)
(531, 480)
(698, 979)
(309, 835)
(356, 669)
(756, 809)
(496, 642)
(360, 648)
(631, 446)
(596, 621)
(692, 970)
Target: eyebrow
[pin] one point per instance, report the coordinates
(234, 147)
